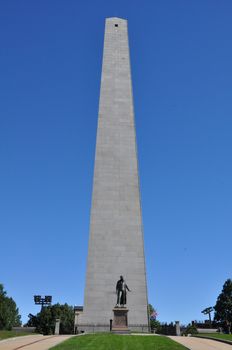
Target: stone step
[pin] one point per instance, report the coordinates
(121, 331)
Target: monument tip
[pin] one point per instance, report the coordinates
(116, 19)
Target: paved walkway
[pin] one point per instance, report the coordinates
(201, 344)
(32, 342)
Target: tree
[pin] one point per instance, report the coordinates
(9, 313)
(66, 315)
(154, 323)
(191, 329)
(45, 320)
(223, 307)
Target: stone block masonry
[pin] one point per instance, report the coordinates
(116, 244)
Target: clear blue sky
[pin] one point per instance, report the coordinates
(50, 66)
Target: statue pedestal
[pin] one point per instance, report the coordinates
(120, 322)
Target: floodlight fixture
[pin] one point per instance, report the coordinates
(208, 311)
(47, 300)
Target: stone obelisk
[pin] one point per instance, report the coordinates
(116, 244)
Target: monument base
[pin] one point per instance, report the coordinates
(95, 328)
(120, 321)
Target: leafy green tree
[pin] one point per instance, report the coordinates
(45, 320)
(191, 329)
(66, 315)
(9, 313)
(154, 323)
(150, 309)
(223, 307)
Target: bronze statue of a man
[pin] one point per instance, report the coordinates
(121, 290)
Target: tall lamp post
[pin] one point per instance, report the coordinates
(47, 300)
(208, 311)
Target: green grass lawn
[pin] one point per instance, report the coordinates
(217, 335)
(11, 334)
(118, 342)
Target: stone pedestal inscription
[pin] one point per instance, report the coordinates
(120, 321)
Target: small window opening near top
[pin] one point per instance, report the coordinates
(116, 25)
